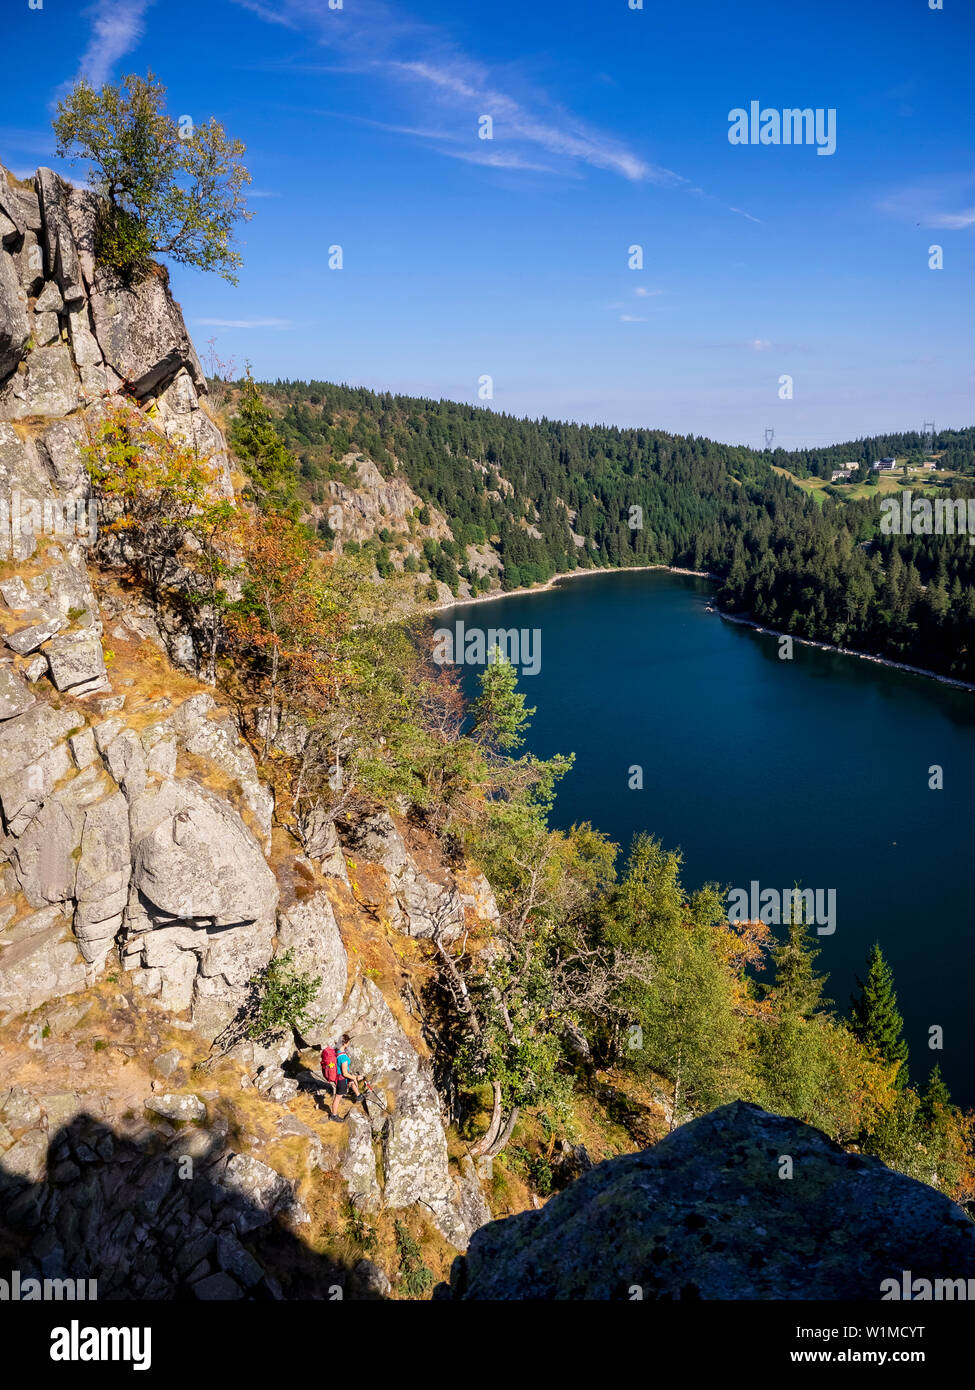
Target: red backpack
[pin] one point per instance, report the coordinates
(330, 1064)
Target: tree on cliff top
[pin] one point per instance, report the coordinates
(876, 1019)
(172, 188)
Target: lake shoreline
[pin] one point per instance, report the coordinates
(558, 579)
(845, 651)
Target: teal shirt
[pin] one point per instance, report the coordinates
(343, 1057)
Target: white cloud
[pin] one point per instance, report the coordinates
(468, 83)
(631, 318)
(499, 160)
(117, 27)
(448, 92)
(442, 82)
(266, 13)
(953, 221)
(928, 203)
(246, 323)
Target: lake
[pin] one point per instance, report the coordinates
(812, 771)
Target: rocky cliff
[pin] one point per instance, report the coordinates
(143, 880)
(739, 1204)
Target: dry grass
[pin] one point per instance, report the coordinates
(393, 961)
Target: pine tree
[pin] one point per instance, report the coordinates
(797, 988)
(936, 1093)
(876, 1019)
(266, 459)
(499, 712)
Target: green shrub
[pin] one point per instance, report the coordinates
(358, 1230)
(122, 244)
(415, 1279)
(283, 995)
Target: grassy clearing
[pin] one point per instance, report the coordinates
(919, 481)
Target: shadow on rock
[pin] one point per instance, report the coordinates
(151, 1215)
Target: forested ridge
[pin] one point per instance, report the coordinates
(956, 448)
(549, 497)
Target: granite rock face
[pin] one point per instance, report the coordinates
(421, 906)
(14, 327)
(411, 1133)
(708, 1214)
(142, 334)
(135, 830)
(96, 823)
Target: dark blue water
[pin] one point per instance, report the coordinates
(811, 771)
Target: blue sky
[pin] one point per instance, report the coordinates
(508, 257)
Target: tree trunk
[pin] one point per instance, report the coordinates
(501, 1143)
(677, 1094)
(486, 1140)
(270, 731)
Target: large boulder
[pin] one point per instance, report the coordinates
(21, 469)
(259, 1191)
(45, 855)
(39, 966)
(60, 446)
(377, 839)
(49, 386)
(10, 206)
(15, 697)
(30, 263)
(195, 860)
(321, 841)
(217, 740)
(421, 906)
(38, 629)
(471, 1202)
(357, 1164)
(201, 902)
(76, 848)
(712, 1212)
(33, 758)
(25, 490)
(76, 662)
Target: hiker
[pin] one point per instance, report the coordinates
(335, 1069)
